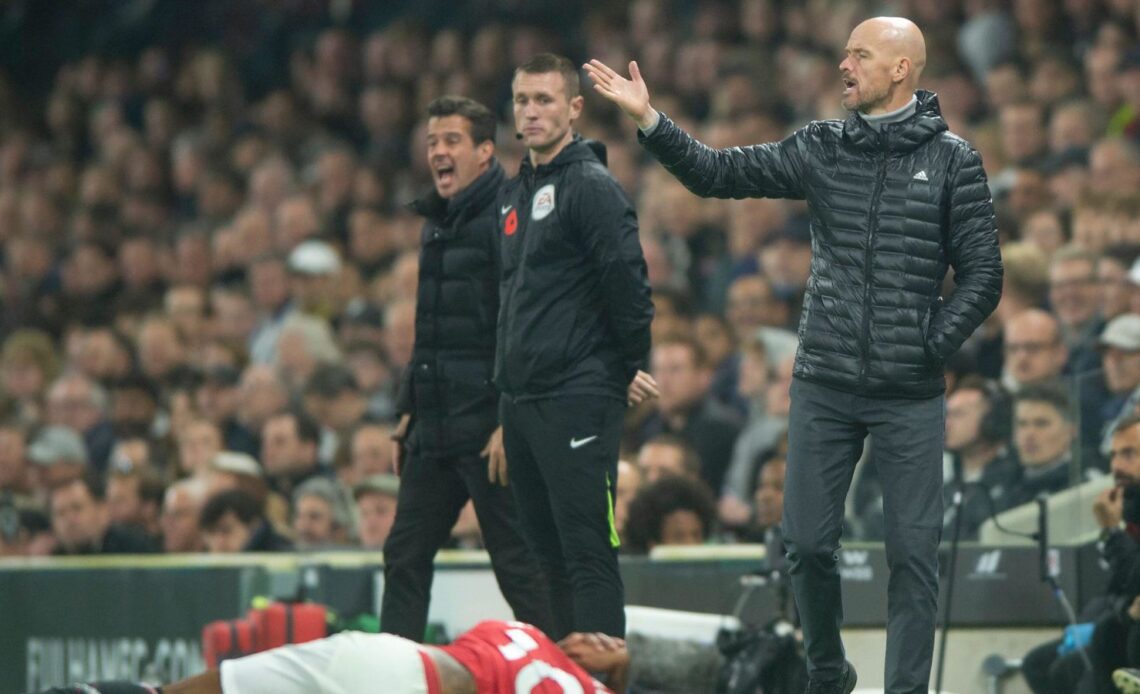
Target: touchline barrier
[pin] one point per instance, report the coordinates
(140, 618)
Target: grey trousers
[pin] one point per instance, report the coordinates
(825, 439)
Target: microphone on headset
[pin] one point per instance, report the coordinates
(518, 136)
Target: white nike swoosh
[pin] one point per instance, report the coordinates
(578, 443)
(505, 209)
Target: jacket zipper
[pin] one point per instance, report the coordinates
(524, 196)
(872, 227)
(440, 396)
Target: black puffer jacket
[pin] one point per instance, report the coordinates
(576, 309)
(889, 212)
(448, 388)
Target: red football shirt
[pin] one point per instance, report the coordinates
(516, 658)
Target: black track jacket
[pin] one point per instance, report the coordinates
(574, 309)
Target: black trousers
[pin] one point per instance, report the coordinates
(1046, 672)
(1108, 650)
(562, 459)
(827, 428)
(432, 493)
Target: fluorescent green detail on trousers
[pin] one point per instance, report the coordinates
(615, 540)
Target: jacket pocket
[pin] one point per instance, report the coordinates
(925, 324)
(469, 389)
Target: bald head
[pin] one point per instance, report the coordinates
(884, 59)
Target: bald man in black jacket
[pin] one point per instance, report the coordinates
(894, 201)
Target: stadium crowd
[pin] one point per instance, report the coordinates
(208, 270)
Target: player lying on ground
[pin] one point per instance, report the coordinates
(492, 658)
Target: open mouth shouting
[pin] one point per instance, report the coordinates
(849, 86)
(444, 172)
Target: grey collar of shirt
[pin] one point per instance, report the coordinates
(897, 116)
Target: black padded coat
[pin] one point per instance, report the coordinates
(448, 387)
(890, 212)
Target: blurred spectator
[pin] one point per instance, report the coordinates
(376, 509)
(1120, 346)
(1034, 352)
(1043, 438)
(751, 303)
(753, 307)
(28, 362)
(667, 455)
(289, 444)
(1074, 125)
(77, 402)
(269, 287)
(304, 344)
(1023, 133)
(313, 269)
(261, 394)
(1116, 288)
(133, 410)
(1114, 166)
(979, 427)
(671, 511)
(1075, 295)
(134, 498)
(232, 521)
(768, 503)
(685, 409)
(161, 351)
(79, 519)
(15, 473)
(185, 304)
(218, 399)
(362, 322)
(181, 506)
(765, 427)
(58, 456)
(373, 375)
(714, 335)
(333, 399)
(370, 452)
(198, 441)
(785, 258)
(232, 470)
(25, 532)
(1046, 230)
(629, 481)
(321, 517)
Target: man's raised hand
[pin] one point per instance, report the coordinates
(631, 95)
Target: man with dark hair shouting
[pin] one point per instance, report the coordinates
(449, 420)
(894, 199)
(573, 343)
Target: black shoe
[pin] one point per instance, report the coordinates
(844, 685)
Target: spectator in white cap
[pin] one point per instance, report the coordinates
(1120, 347)
(313, 269)
(57, 455)
(233, 470)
